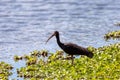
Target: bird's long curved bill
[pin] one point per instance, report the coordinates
(50, 38)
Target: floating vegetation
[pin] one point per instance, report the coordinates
(113, 35)
(5, 70)
(16, 58)
(104, 65)
(117, 24)
(44, 65)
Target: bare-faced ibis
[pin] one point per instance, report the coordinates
(70, 48)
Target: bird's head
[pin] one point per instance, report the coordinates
(56, 33)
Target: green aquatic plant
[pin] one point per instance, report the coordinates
(117, 24)
(113, 35)
(35, 53)
(44, 53)
(31, 60)
(5, 70)
(105, 65)
(16, 58)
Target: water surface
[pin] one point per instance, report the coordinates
(25, 25)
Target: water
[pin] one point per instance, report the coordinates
(25, 25)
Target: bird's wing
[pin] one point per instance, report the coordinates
(75, 48)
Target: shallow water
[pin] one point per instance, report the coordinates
(25, 25)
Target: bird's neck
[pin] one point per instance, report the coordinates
(58, 41)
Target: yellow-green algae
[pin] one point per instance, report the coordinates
(105, 65)
(5, 70)
(113, 35)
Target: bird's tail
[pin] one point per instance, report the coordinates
(90, 54)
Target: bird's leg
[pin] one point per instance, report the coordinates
(72, 59)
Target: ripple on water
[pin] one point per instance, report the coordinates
(25, 25)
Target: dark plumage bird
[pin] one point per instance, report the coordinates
(70, 48)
